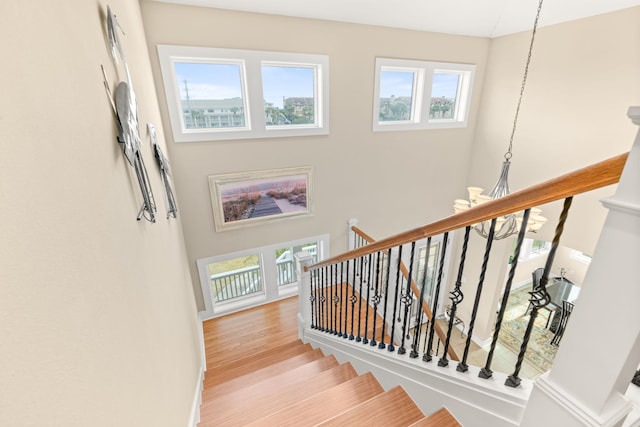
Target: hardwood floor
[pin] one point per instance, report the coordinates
(259, 373)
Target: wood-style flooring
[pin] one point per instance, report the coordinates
(260, 374)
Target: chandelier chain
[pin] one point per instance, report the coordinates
(508, 154)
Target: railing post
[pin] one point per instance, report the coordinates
(304, 259)
(351, 235)
(600, 349)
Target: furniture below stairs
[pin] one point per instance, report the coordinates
(294, 385)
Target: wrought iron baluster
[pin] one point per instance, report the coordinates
(415, 347)
(462, 366)
(436, 297)
(335, 299)
(365, 340)
(327, 314)
(386, 293)
(540, 297)
(346, 301)
(390, 347)
(456, 298)
(486, 372)
(359, 337)
(353, 298)
(376, 299)
(424, 345)
(312, 299)
(341, 297)
(407, 300)
(636, 378)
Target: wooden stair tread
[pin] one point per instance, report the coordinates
(440, 418)
(319, 407)
(270, 385)
(250, 408)
(239, 377)
(393, 407)
(293, 347)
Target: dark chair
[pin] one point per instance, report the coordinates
(567, 308)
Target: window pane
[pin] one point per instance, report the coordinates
(289, 96)
(211, 95)
(285, 263)
(429, 288)
(235, 278)
(444, 94)
(396, 95)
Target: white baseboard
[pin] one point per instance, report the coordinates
(194, 419)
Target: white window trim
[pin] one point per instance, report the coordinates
(424, 71)
(252, 62)
(271, 291)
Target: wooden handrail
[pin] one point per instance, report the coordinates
(416, 291)
(586, 179)
(362, 234)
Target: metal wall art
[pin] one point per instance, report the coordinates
(165, 172)
(126, 111)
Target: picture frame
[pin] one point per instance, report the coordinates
(252, 198)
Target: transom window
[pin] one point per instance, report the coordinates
(421, 95)
(220, 94)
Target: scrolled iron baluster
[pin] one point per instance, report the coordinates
(328, 297)
(436, 297)
(312, 300)
(353, 298)
(359, 337)
(376, 300)
(407, 300)
(539, 296)
(346, 302)
(365, 340)
(341, 284)
(462, 366)
(335, 300)
(456, 298)
(486, 372)
(382, 345)
(390, 347)
(415, 347)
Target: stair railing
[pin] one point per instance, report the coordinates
(362, 239)
(339, 287)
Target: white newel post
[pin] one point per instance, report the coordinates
(304, 259)
(351, 235)
(600, 350)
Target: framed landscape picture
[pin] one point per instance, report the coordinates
(250, 198)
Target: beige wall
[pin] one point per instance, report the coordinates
(97, 317)
(582, 79)
(391, 181)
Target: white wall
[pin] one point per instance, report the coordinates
(391, 181)
(97, 317)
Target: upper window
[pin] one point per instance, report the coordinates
(219, 94)
(421, 95)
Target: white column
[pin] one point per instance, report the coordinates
(304, 259)
(600, 350)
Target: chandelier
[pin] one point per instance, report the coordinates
(507, 225)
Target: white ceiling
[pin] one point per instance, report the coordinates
(484, 18)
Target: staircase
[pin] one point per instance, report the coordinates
(293, 384)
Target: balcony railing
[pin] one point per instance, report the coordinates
(236, 283)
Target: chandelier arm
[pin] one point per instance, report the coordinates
(508, 154)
